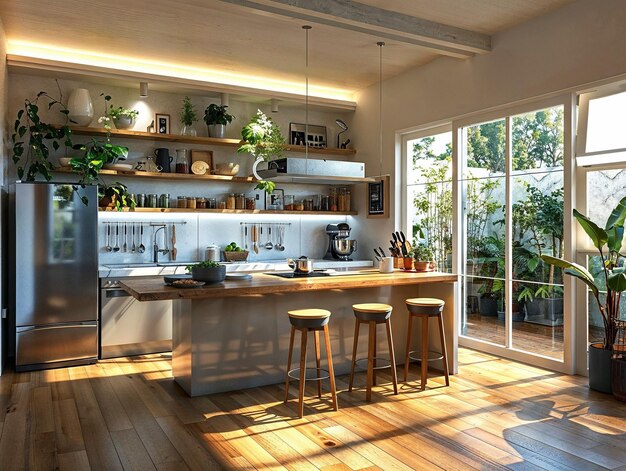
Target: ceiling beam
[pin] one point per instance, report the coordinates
(358, 17)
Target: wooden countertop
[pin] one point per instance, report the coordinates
(154, 289)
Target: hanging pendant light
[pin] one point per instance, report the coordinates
(380, 45)
(306, 29)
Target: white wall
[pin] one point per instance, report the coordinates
(578, 44)
(4, 94)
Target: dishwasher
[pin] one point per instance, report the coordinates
(132, 327)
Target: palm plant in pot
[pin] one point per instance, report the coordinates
(216, 117)
(612, 276)
(263, 139)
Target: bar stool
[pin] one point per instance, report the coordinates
(310, 320)
(425, 308)
(373, 314)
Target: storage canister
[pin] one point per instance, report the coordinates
(212, 253)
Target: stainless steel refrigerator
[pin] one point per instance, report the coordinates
(56, 276)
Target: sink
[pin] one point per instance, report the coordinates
(130, 265)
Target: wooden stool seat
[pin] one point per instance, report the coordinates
(373, 314)
(376, 312)
(425, 308)
(310, 320)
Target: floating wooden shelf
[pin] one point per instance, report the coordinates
(207, 141)
(233, 211)
(169, 176)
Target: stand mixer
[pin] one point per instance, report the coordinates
(339, 246)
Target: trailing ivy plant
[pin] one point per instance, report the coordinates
(31, 137)
(263, 139)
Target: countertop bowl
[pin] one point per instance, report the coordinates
(209, 275)
(230, 169)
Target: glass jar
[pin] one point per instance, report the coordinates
(153, 200)
(316, 203)
(250, 203)
(181, 202)
(164, 200)
(182, 162)
(240, 201)
(348, 200)
(212, 253)
(332, 200)
(191, 202)
(221, 205)
(341, 199)
(298, 205)
(230, 201)
(308, 204)
(211, 203)
(201, 203)
(288, 203)
(324, 203)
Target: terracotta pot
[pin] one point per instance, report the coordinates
(422, 266)
(408, 263)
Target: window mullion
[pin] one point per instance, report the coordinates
(508, 237)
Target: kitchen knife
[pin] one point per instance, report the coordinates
(378, 255)
(403, 244)
(174, 249)
(406, 242)
(382, 252)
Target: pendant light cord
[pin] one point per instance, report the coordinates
(306, 28)
(380, 107)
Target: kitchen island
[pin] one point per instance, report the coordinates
(235, 334)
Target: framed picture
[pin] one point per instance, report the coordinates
(315, 137)
(378, 198)
(162, 123)
(275, 200)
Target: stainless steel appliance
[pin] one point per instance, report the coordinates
(340, 247)
(56, 276)
(291, 166)
(131, 327)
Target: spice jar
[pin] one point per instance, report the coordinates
(341, 199)
(332, 200)
(191, 202)
(288, 203)
(211, 203)
(153, 200)
(324, 203)
(298, 205)
(181, 202)
(221, 205)
(348, 200)
(240, 201)
(230, 201)
(308, 204)
(201, 203)
(164, 200)
(250, 203)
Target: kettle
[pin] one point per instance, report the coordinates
(300, 265)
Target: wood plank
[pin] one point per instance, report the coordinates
(131, 451)
(69, 435)
(74, 461)
(98, 444)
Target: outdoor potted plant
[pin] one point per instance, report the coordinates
(188, 116)
(424, 256)
(490, 256)
(209, 271)
(216, 117)
(612, 276)
(123, 118)
(32, 136)
(263, 139)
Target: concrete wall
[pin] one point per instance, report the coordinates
(576, 45)
(4, 98)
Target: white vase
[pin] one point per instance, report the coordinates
(80, 107)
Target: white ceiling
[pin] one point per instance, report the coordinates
(212, 34)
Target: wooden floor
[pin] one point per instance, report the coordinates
(539, 339)
(129, 414)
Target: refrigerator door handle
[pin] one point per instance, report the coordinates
(56, 326)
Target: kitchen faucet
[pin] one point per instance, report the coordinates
(156, 249)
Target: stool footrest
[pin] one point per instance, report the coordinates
(386, 360)
(435, 356)
(292, 374)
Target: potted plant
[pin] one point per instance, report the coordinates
(490, 258)
(209, 271)
(424, 256)
(123, 118)
(263, 139)
(612, 278)
(216, 117)
(188, 116)
(114, 196)
(32, 136)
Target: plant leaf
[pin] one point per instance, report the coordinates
(618, 215)
(597, 235)
(573, 269)
(615, 235)
(617, 280)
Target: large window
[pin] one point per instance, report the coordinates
(512, 210)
